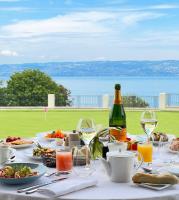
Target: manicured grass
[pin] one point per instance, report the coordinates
(28, 123)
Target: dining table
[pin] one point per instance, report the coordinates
(104, 189)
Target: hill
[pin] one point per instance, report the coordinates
(98, 68)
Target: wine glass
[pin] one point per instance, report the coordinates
(148, 122)
(87, 129)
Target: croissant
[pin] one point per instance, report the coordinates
(155, 178)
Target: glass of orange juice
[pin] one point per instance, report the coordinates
(145, 149)
(64, 161)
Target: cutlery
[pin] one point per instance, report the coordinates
(49, 174)
(147, 169)
(38, 144)
(11, 159)
(39, 185)
(150, 170)
(56, 174)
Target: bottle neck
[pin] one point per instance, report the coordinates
(117, 98)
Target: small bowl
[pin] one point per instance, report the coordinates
(59, 141)
(49, 161)
(159, 144)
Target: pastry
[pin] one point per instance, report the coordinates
(155, 178)
(159, 137)
(174, 146)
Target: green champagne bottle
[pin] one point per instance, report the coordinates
(117, 118)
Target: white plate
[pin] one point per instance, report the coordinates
(157, 187)
(171, 151)
(19, 146)
(30, 155)
(173, 169)
(41, 136)
(144, 137)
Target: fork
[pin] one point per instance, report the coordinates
(49, 174)
(56, 174)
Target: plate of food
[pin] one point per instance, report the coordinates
(21, 173)
(157, 138)
(18, 142)
(174, 146)
(38, 152)
(155, 181)
(51, 135)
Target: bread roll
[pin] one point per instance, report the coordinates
(155, 178)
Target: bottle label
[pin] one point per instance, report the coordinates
(118, 98)
(120, 135)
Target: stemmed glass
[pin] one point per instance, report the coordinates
(148, 122)
(87, 129)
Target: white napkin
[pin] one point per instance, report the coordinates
(67, 186)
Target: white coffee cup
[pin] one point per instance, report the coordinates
(5, 153)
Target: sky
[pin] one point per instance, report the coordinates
(88, 30)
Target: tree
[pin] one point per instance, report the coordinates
(31, 88)
(134, 101)
(3, 95)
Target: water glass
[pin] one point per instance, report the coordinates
(146, 150)
(83, 165)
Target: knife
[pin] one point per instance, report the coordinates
(39, 185)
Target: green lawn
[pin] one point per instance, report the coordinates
(27, 123)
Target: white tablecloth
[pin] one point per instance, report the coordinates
(104, 190)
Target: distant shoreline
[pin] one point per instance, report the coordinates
(164, 68)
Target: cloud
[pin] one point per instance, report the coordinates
(81, 22)
(8, 53)
(154, 7)
(164, 6)
(77, 23)
(135, 17)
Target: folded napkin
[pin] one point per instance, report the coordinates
(67, 186)
(155, 178)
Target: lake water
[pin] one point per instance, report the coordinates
(143, 86)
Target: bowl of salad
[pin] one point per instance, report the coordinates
(21, 173)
